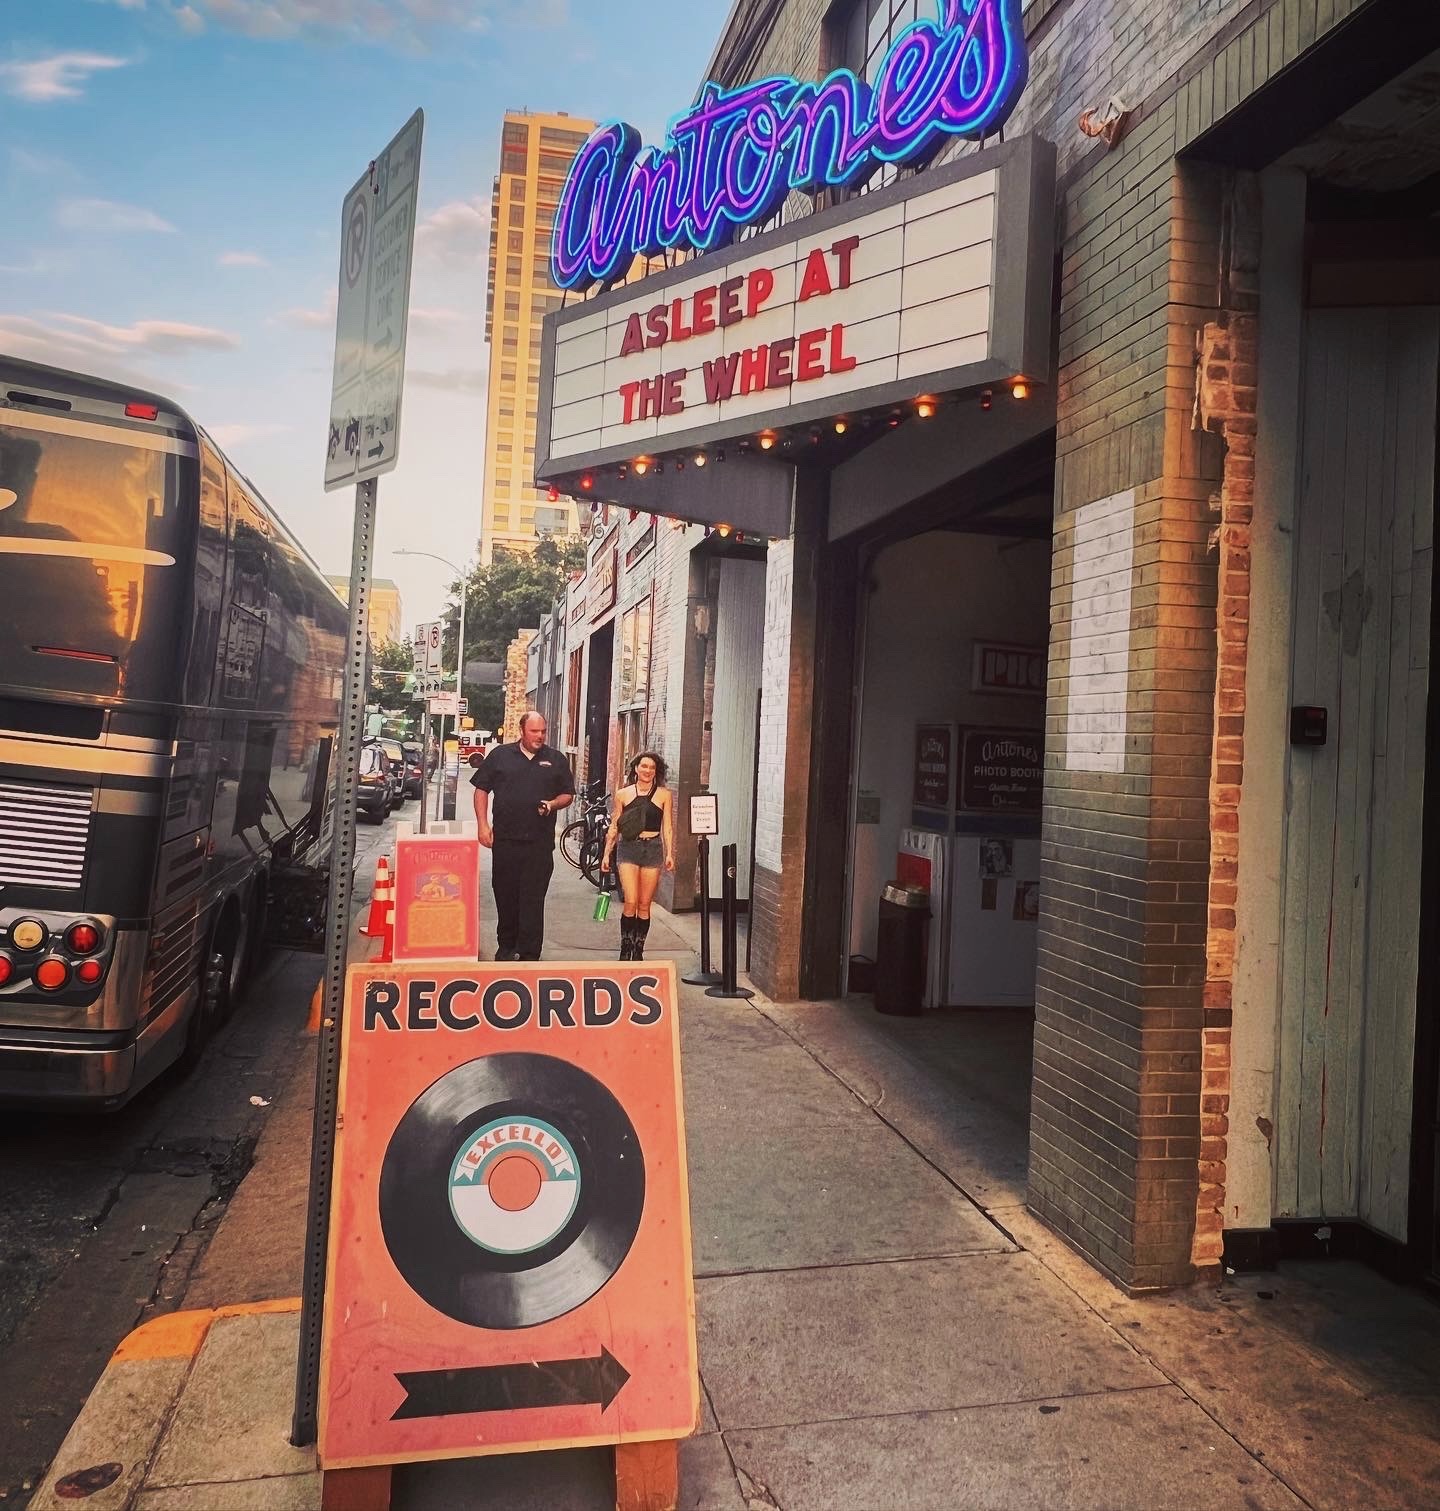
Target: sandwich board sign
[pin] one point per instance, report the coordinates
(509, 1252)
(377, 243)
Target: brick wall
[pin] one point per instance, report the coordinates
(1226, 394)
(516, 699)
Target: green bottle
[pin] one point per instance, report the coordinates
(602, 905)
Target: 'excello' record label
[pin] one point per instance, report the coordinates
(511, 1190)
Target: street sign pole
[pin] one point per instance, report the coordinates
(425, 791)
(377, 242)
(337, 935)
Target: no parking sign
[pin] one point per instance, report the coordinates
(510, 1239)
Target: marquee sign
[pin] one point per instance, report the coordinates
(731, 159)
(929, 285)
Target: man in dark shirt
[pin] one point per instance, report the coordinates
(518, 791)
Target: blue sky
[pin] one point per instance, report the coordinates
(173, 172)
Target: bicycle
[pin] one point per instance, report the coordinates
(588, 830)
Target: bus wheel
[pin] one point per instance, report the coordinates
(210, 1006)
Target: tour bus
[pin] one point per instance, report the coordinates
(170, 671)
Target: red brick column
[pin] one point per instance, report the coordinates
(1226, 393)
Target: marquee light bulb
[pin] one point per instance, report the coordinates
(586, 483)
(767, 440)
(841, 426)
(1019, 389)
(700, 459)
(722, 531)
(641, 466)
(925, 408)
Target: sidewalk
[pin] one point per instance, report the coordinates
(882, 1324)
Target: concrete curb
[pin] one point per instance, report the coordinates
(111, 1443)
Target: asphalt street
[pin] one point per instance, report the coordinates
(105, 1218)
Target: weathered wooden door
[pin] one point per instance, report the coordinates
(1352, 874)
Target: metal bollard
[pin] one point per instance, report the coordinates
(729, 921)
(705, 976)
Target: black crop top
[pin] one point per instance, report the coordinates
(641, 815)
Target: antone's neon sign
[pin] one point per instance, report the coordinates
(731, 159)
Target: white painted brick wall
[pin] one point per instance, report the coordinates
(775, 704)
(1099, 679)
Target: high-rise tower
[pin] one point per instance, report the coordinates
(535, 154)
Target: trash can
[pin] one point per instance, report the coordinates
(902, 950)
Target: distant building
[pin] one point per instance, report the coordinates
(535, 154)
(517, 701)
(387, 618)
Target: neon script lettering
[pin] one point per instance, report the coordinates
(731, 159)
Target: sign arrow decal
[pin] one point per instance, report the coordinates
(378, 449)
(511, 1387)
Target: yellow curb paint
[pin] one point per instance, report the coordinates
(176, 1335)
(259, 1308)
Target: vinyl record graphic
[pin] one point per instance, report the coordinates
(511, 1190)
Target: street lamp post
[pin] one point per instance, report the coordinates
(464, 575)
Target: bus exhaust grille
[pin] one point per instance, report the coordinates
(43, 832)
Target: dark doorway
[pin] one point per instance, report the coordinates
(597, 703)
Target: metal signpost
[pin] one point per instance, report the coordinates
(704, 824)
(377, 235)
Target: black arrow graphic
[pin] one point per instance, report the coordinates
(511, 1387)
(378, 449)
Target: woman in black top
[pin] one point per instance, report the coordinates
(642, 828)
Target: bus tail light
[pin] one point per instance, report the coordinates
(7, 969)
(83, 938)
(89, 972)
(51, 974)
(137, 411)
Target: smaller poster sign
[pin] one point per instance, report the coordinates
(1002, 771)
(437, 898)
(934, 765)
(704, 813)
(1009, 668)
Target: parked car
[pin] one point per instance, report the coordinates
(414, 770)
(376, 786)
(395, 764)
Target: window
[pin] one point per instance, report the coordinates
(635, 654)
(517, 215)
(515, 241)
(512, 161)
(512, 269)
(858, 34)
(512, 306)
(556, 162)
(570, 141)
(517, 188)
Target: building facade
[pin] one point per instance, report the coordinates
(387, 617)
(535, 153)
(1125, 646)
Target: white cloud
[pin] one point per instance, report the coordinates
(392, 21)
(190, 19)
(57, 77)
(312, 319)
(105, 215)
(436, 319)
(93, 346)
(450, 379)
(152, 335)
(243, 260)
(231, 436)
(458, 231)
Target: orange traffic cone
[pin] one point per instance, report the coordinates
(380, 899)
(387, 939)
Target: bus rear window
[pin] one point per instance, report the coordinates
(92, 553)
